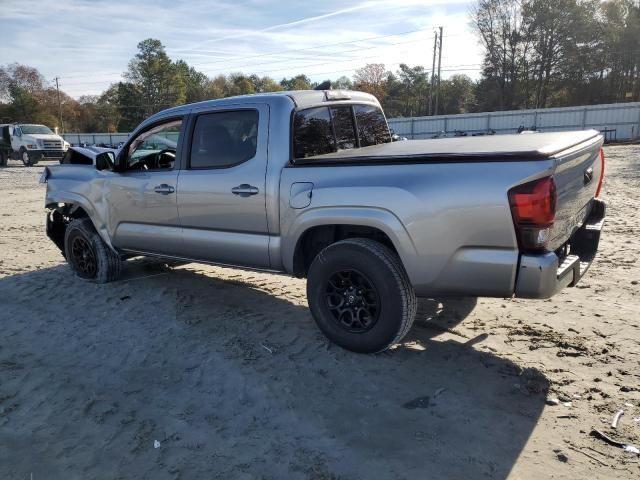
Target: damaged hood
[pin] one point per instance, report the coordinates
(91, 152)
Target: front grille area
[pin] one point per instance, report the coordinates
(53, 153)
(52, 144)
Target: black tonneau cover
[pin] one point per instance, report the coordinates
(533, 146)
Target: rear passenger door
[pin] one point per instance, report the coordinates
(221, 192)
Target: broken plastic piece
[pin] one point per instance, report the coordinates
(616, 418)
(606, 438)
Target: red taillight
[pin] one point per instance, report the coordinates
(601, 172)
(533, 207)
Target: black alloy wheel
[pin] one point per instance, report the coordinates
(353, 301)
(360, 295)
(84, 257)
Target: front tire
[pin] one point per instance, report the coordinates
(360, 295)
(87, 254)
(26, 158)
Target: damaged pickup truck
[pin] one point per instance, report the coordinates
(309, 183)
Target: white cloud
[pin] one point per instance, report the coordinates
(90, 42)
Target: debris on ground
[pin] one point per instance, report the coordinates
(592, 457)
(420, 402)
(616, 418)
(561, 456)
(439, 392)
(627, 447)
(602, 436)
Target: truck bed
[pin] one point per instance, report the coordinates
(452, 197)
(536, 146)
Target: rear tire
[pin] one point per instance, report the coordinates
(87, 254)
(360, 295)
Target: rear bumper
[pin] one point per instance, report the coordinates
(542, 276)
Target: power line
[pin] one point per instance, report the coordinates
(260, 55)
(301, 67)
(318, 74)
(290, 67)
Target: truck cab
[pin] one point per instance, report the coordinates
(30, 143)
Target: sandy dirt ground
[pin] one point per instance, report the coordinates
(228, 372)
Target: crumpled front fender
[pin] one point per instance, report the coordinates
(55, 197)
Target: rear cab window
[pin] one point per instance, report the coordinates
(372, 126)
(313, 133)
(321, 130)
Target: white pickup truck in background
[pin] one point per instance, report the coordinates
(30, 143)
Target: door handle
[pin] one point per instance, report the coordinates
(164, 189)
(245, 190)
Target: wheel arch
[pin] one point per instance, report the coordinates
(318, 228)
(67, 205)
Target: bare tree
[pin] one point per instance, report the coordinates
(372, 78)
(499, 26)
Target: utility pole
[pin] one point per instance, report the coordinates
(433, 73)
(439, 65)
(59, 107)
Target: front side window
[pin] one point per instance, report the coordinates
(224, 139)
(155, 148)
(372, 126)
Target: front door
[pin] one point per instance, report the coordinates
(221, 192)
(143, 211)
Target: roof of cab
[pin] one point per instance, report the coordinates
(300, 98)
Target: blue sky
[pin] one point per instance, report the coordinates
(89, 43)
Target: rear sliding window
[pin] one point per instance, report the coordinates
(372, 126)
(321, 130)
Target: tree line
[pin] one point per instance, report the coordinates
(553, 53)
(537, 54)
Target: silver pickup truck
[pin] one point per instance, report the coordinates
(309, 183)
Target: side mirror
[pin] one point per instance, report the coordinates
(105, 161)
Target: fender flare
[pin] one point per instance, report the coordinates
(79, 201)
(374, 217)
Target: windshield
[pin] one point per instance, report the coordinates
(30, 129)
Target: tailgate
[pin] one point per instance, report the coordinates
(577, 175)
